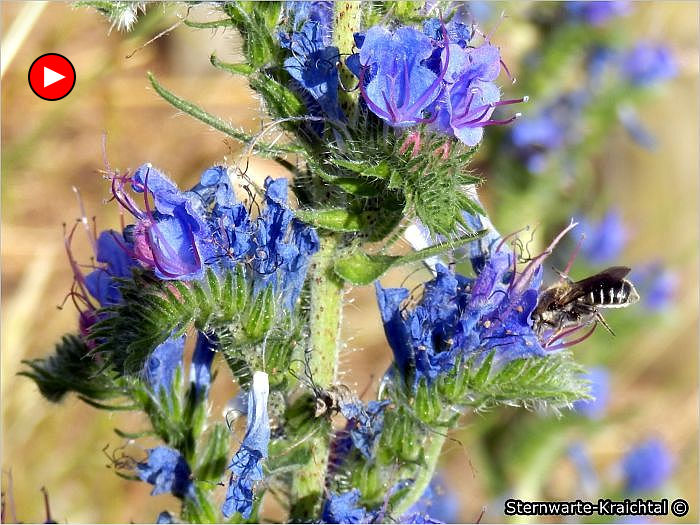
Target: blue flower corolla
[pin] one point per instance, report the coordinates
(647, 466)
(246, 466)
(462, 316)
(597, 13)
(595, 408)
(171, 239)
(313, 65)
(200, 368)
(604, 240)
(345, 508)
(533, 137)
(113, 253)
(438, 504)
(365, 424)
(648, 63)
(320, 11)
(283, 245)
(657, 285)
(167, 470)
(395, 83)
(161, 365)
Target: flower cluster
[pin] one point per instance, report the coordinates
(463, 317)
(437, 76)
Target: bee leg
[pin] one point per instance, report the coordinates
(601, 320)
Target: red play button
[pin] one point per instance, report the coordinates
(51, 76)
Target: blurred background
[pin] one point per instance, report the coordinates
(623, 159)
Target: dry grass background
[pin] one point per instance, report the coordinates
(48, 147)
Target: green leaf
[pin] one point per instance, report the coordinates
(212, 460)
(334, 219)
(218, 124)
(360, 268)
(235, 69)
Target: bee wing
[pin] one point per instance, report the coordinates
(611, 275)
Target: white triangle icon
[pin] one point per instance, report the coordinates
(51, 77)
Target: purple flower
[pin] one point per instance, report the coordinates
(172, 238)
(604, 240)
(648, 63)
(200, 369)
(533, 137)
(600, 391)
(395, 83)
(161, 365)
(246, 466)
(647, 466)
(165, 517)
(345, 508)
(438, 504)
(167, 471)
(597, 13)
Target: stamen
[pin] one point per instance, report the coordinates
(572, 342)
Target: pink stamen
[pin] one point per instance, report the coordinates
(412, 138)
(573, 256)
(444, 151)
(572, 342)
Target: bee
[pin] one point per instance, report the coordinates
(568, 306)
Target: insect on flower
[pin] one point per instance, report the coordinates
(568, 306)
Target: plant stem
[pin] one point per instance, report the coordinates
(325, 318)
(347, 17)
(424, 473)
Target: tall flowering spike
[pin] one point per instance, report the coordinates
(345, 508)
(200, 369)
(171, 239)
(600, 392)
(648, 63)
(160, 367)
(246, 466)
(604, 240)
(167, 471)
(647, 467)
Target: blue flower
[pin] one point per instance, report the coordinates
(394, 81)
(161, 365)
(597, 13)
(648, 63)
(200, 369)
(167, 471)
(584, 467)
(600, 391)
(533, 137)
(313, 65)
(281, 257)
(311, 11)
(171, 239)
(438, 504)
(604, 240)
(647, 466)
(345, 508)
(469, 317)
(246, 466)
(364, 424)
(113, 252)
(657, 285)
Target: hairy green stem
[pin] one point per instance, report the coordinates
(347, 17)
(424, 474)
(325, 319)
